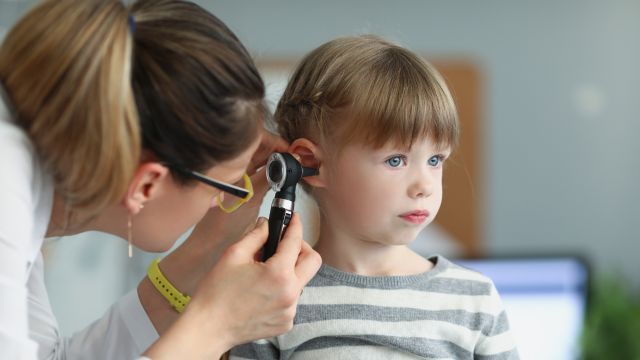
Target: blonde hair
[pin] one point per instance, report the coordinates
(366, 90)
(66, 68)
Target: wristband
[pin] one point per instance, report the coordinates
(177, 299)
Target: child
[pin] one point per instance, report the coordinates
(378, 122)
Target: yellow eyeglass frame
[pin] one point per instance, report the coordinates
(240, 201)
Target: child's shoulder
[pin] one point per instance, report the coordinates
(447, 269)
(444, 277)
(469, 286)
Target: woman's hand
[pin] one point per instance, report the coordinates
(269, 143)
(191, 261)
(242, 299)
(258, 300)
(217, 230)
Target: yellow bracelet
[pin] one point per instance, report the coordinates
(177, 299)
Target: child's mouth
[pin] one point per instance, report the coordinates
(415, 217)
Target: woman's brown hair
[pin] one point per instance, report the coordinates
(200, 97)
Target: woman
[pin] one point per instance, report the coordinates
(80, 154)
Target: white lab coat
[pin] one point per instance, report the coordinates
(28, 328)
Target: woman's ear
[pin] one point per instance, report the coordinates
(145, 185)
(310, 155)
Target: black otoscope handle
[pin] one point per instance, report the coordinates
(279, 219)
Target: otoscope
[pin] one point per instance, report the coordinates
(283, 174)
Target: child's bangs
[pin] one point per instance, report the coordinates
(401, 104)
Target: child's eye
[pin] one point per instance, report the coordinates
(396, 161)
(436, 160)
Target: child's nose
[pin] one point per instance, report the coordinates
(421, 186)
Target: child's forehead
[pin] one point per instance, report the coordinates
(422, 147)
(421, 143)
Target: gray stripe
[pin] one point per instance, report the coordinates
(437, 285)
(455, 286)
(422, 347)
(417, 346)
(332, 276)
(474, 321)
(256, 351)
(507, 355)
(498, 327)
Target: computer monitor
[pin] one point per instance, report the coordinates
(545, 299)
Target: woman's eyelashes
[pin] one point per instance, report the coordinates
(397, 161)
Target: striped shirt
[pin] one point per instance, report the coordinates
(449, 312)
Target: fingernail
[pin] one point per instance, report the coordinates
(261, 220)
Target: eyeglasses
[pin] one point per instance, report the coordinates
(242, 194)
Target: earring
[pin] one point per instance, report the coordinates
(129, 233)
(129, 237)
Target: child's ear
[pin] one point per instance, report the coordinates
(309, 155)
(145, 185)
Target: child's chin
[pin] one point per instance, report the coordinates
(403, 243)
(408, 236)
(401, 240)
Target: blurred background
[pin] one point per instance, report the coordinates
(549, 96)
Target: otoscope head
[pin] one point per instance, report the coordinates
(284, 172)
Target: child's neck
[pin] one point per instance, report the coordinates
(345, 253)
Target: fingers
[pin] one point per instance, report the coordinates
(253, 241)
(290, 245)
(308, 264)
(260, 184)
(293, 253)
(274, 143)
(270, 143)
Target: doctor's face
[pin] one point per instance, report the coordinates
(180, 206)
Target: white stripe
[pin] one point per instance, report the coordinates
(268, 341)
(263, 341)
(462, 274)
(491, 345)
(428, 329)
(355, 352)
(234, 357)
(340, 295)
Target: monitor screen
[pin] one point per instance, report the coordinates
(545, 300)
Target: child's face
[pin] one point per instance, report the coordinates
(385, 196)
